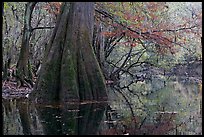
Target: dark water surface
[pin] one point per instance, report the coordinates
(22, 118)
(154, 107)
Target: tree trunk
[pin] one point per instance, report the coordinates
(70, 71)
(98, 45)
(23, 71)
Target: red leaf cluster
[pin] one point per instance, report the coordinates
(53, 7)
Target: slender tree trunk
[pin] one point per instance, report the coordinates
(70, 71)
(22, 65)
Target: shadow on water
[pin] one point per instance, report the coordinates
(22, 118)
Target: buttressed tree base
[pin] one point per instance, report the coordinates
(70, 71)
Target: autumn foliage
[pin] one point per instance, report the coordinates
(53, 7)
(149, 21)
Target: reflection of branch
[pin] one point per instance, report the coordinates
(131, 91)
(180, 124)
(133, 115)
(156, 90)
(142, 123)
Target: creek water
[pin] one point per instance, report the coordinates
(160, 106)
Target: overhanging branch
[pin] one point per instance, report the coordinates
(145, 34)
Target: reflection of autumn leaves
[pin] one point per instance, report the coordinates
(148, 129)
(163, 126)
(111, 131)
(165, 123)
(160, 129)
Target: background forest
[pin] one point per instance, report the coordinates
(140, 47)
(127, 36)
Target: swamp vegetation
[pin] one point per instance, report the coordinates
(102, 68)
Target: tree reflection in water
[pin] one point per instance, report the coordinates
(69, 119)
(172, 109)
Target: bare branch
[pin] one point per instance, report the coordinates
(42, 28)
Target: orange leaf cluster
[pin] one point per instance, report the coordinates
(147, 21)
(53, 7)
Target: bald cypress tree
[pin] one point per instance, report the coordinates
(70, 71)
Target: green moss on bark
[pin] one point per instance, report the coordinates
(84, 86)
(69, 85)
